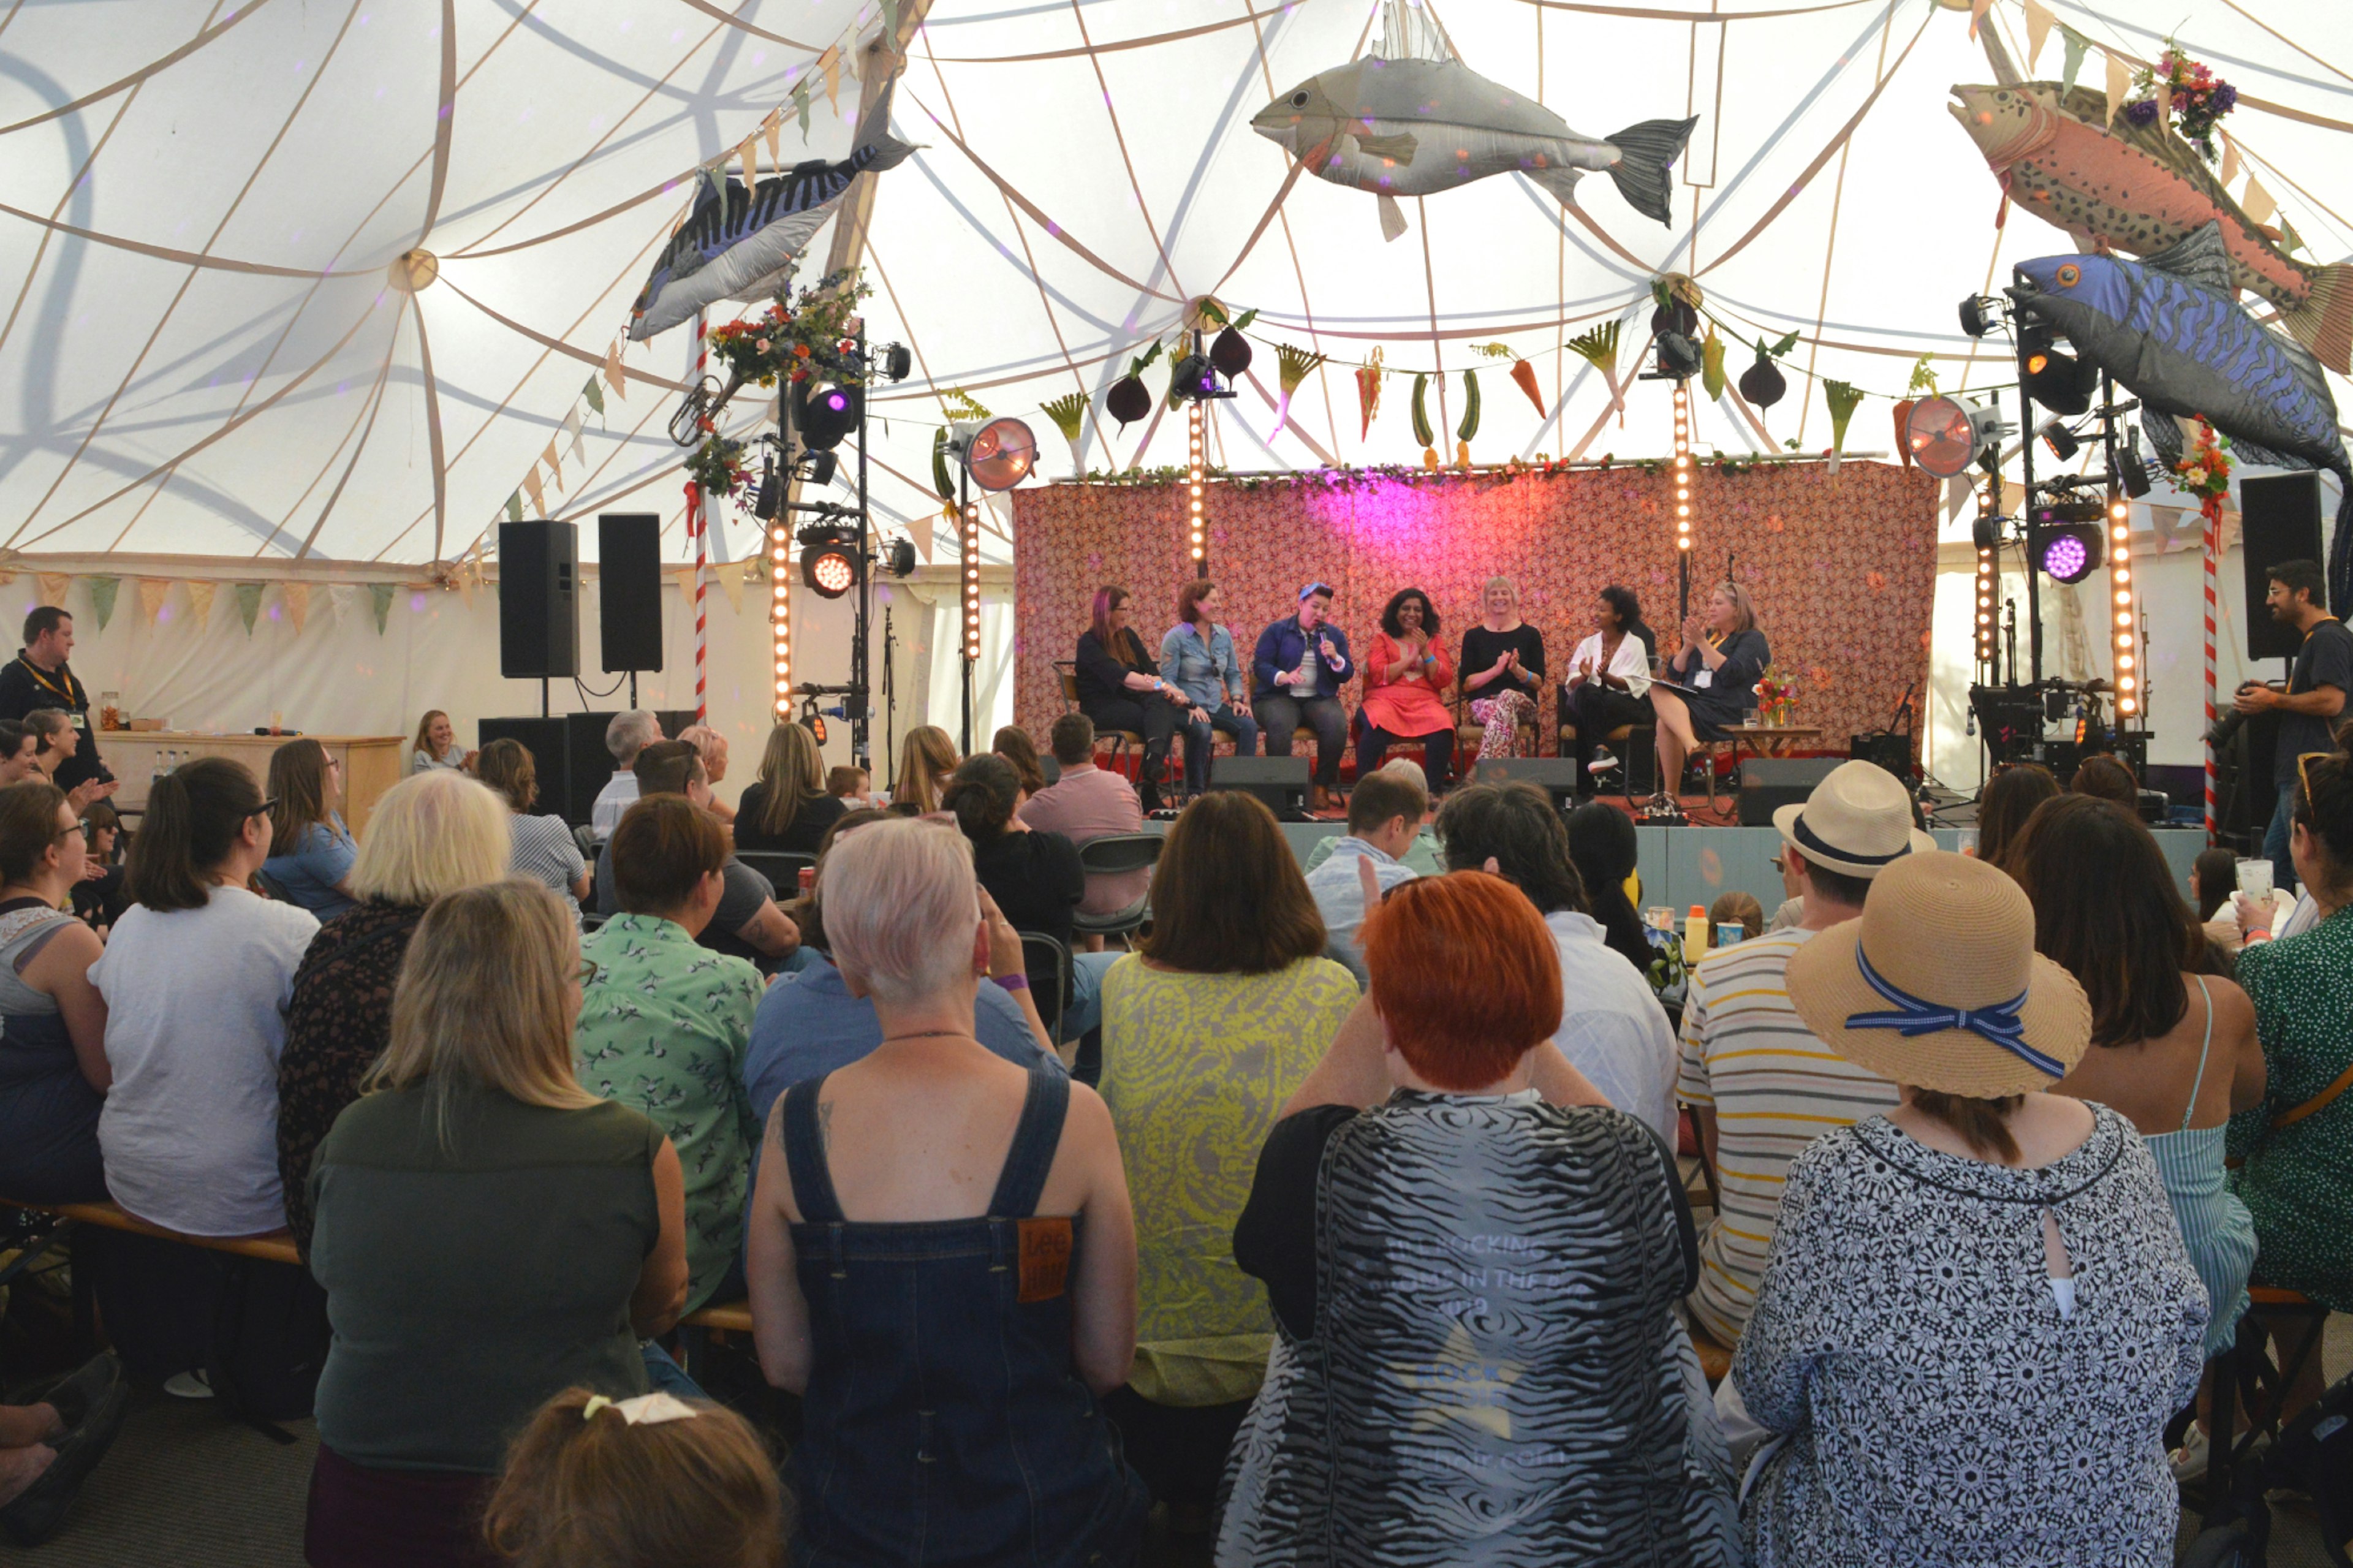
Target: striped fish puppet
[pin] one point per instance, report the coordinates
(2167, 328)
(743, 244)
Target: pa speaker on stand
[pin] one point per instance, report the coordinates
(628, 581)
(539, 603)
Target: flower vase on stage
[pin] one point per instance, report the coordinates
(1776, 699)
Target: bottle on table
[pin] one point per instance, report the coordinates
(1695, 934)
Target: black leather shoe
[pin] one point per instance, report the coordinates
(91, 1402)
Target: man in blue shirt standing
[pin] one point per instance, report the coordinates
(1301, 663)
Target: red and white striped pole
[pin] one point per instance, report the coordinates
(2212, 542)
(697, 528)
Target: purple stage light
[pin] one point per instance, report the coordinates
(2066, 560)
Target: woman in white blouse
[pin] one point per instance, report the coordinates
(1608, 680)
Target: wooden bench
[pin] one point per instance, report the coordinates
(276, 1248)
(1715, 1359)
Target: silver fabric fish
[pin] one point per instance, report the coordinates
(1416, 126)
(741, 245)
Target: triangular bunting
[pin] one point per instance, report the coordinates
(749, 157)
(2256, 202)
(515, 507)
(730, 578)
(773, 128)
(531, 488)
(343, 598)
(297, 597)
(1977, 8)
(53, 586)
(380, 596)
(152, 591)
(2037, 29)
(801, 106)
(615, 376)
(2119, 83)
(2077, 46)
(2230, 158)
(685, 577)
(101, 597)
(249, 604)
(200, 601)
(553, 468)
(572, 423)
(594, 393)
(830, 63)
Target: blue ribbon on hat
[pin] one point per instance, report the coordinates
(1999, 1024)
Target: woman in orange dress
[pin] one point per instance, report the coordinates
(1407, 670)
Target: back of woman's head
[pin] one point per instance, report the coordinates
(1737, 908)
(663, 848)
(506, 765)
(810, 913)
(2010, 798)
(28, 825)
(1227, 896)
(433, 833)
(2324, 806)
(794, 770)
(2106, 911)
(2107, 778)
(2217, 875)
(297, 791)
(925, 760)
(195, 814)
(1013, 743)
(1514, 825)
(982, 794)
(1604, 849)
(901, 909)
(1465, 976)
(485, 994)
(587, 1487)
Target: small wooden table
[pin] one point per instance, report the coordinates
(372, 764)
(1767, 737)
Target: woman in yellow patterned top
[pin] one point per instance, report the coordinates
(1206, 1032)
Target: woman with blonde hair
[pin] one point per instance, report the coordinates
(310, 850)
(433, 833)
(925, 761)
(710, 746)
(573, 1245)
(787, 808)
(1711, 684)
(1502, 667)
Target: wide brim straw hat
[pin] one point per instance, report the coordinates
(1962, 1004)
(1857, 821)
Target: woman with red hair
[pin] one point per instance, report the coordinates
(1475, 1289)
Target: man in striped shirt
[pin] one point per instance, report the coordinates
(1763, 1084)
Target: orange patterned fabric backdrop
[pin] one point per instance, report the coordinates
(1842, 569)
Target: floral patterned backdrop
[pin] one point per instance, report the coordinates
(1842, 568)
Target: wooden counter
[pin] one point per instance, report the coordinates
(372, 764)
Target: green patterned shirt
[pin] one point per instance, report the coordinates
(663, 1029)
(2295, 1177)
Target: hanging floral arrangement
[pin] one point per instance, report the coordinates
(2195, 96)
(716, 466)
(2205, 471)
(793, 336)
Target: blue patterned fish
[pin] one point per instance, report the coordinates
(2167, 328)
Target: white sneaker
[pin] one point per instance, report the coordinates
(2191, 1459)
(188, 1386)
(1602, 762)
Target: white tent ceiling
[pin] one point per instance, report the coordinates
(203, 352)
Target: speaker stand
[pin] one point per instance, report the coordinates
(633, 690)
(542, 697)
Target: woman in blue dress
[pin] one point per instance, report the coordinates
(1713, 677)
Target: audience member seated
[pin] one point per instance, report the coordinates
(18, 745)
(437, 746)
(1737, 910)
(435, 832)
(2297, 1179)
(1599, 1429)
(1013, 743)
(881, 1234)
(53, 1067)
(1762, 1083)
(1219, 1019)
(1945, 1391)
(2010, 798)
(56, 740)
(1385, 815)
(1422, 856)
(664, 1023)
(594, 1482)
(624, 737)
(787, 808)
(747, 923)
(2174, 1065)
(851, 785)
(1613, 1030)
(51, 1440)
(196, 979)
(711, 747)
(99, 898)
(545, 850)
(489, 1233)
(2107, 778)
(1033, 876)
(1791, 910)
(926, 758)
(1086, 803)
(811, 1022)
(310, 850)
(1604, 849)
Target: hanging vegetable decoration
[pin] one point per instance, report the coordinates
(2205, 472)
(1524, 375)
(942, 481)
(1711, 362)
(1470, 426)
(1128, 401)
(1923, 379)
(1762, 383)
(1843, 401)
(1231, 353)
(1292, 365)
(2197, 98)
(1677, 299)
(1599, 348)
(1421, 427)
(1070, 417)
(1369, 392)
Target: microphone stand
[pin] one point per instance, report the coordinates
(890, 698)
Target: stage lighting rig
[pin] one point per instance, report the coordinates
(1678, 357)
(898, 557)
(2064, 538)
(829, 562)
(1946, 436)
(2130, 469)
(894, 362)
(998, 455)
(2060, 439)
(1981, 314)
(826, 412)
(2054, 376)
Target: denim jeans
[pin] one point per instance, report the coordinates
(2275, 837)
(664, 1375)
(1200, 738)
(1085, 1010)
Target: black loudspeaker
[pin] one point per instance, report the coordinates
(629, 577)
(1556, 776)
(1768, 783)
(545, 740)
(1890, 752)
(2279, 521)
(539, 600)
(1281, 781)
(590, 765)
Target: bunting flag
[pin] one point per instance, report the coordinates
(531, 488)
(2230, 157)
(2077, 46)
(730, 575)
(830, 63)
(380, 596)
(2119, 84)
(553, 468)
(1977, 8)
(801, 106)
(615, 376)
(152, 591)
(200, 601)
(343, 598)
(101, 597)
(53, 586)
(684, 577)
(594, 394)
(297, 599)
(2257, 202)
(249, 604)
(773, 128)
(515, 507)
(750, 158)
(572, 426)
(2037, 29)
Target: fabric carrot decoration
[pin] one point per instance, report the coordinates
(1369, 392)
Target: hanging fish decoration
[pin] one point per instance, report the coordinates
(743, 244)
(2167, 329)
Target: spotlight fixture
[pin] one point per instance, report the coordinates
(1946, 436)
(769, 498)
(1198, 380)
(896, 361)
(1678, 357)
(1981, 314)
(813, 721)
(2060, 439)
(829, 559)
(2052, 377)
(2065, 540)
(998, 455)
(899, 557)
(818, 469)
(825, 414)
(1985, 533)
(2131, 469)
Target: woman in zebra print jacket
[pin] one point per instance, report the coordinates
(1479, 1360)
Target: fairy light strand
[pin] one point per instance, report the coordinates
(1987, 583)
(968, 541)
(780, 616)
(1682, 466)
(2128, 665)
(1199, 540)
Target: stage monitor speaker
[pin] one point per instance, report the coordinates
(546, 741)
(1768, 783)
(1281, 781)
(539, 602)
(1556, 776)
(590, 765)
(1889, 751)
(629, 582)
(2280, 521)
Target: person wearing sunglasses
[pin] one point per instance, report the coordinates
(195, 977)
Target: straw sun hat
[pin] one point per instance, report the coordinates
(1938, 986)
(1858, 822)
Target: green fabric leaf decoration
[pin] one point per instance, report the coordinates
(515, 507)
(801, 107)
(249, 604)
(1843, 401)
(594, 393)
(2076, 45)
(380, 595)
(101, 597)
(1068, 413)
(1242, 322)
